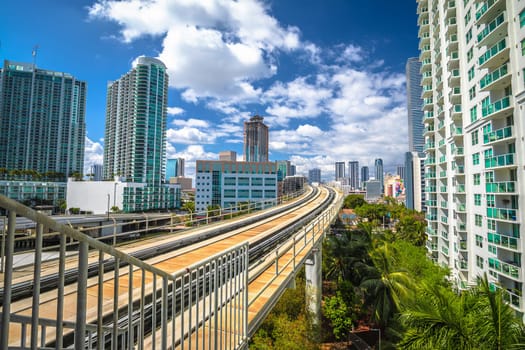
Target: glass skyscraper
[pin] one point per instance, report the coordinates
(255, 140)
(380, 172)
(414, 105)
(135, 135)
(42, 120)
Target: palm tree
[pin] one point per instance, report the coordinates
(385, 286)
(475, 319)
(347, 256)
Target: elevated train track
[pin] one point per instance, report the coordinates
(132, 295)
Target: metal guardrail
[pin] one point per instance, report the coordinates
(292, 253)
(116, 230)
(146, 306)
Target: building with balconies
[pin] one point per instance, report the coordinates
(472, 56)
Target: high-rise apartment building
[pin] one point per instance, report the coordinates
(353, 173)
(174, 168)
(314, 175)
(474, 92)
(340, 171)
(135, 135)
(255, 140)
(414, 104)
(42, 120)
(380, 175)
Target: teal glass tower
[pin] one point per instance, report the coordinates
(42, 120)
(135, 135)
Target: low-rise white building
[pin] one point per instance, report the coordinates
(228, 183)
(99, 197)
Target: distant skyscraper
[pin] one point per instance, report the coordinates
(414, 105)
(229, 156)
(364, 176)
(314, 175)
(401, 171)
(414, 181)
(339, 171)
(353, 173)
(255, 140)
(174, 168)
(42, 119)
(135, 137)
(380, 172)
(283, 169)
(97, 172)
(292, 170)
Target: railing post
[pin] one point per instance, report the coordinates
(80, 327)
(114, 231)
(164, 322)
(36, 291)
(2, 257)
(8, 278)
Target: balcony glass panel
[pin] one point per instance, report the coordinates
(492, 77)
(494, 50)
(499, 161)
(496, 135)
(502, 213)
(490, 27)
(501, 187)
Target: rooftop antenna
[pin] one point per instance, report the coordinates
(34, 53)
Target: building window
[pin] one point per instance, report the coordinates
(471, 73)
(522, 18)
(469, 35)
(523, 47)
(472, 92)
(473, 114)
(478, 220)
(467, 17)
(479, 241)
(475, 137)
(491, 224)
(493, 249)
(475, 159)
(477, 179)
(479, 261)
(491, 200)
(470, 54)
(477, 199)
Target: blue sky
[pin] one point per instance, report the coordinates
(328, 76)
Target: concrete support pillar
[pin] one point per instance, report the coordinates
(314, 280)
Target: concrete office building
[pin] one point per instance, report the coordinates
(42, 120)
(230, 156)
(283, 169)
(353, 174)
(314, 175)
(255, 140)
(473, 62)
(97, 172)
(365, 176)
(227, 184)
(340, 172)
(135, 135)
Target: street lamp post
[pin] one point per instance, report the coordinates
(108, 206)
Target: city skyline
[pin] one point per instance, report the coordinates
(328, 80)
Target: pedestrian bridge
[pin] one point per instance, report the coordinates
(202, 288)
